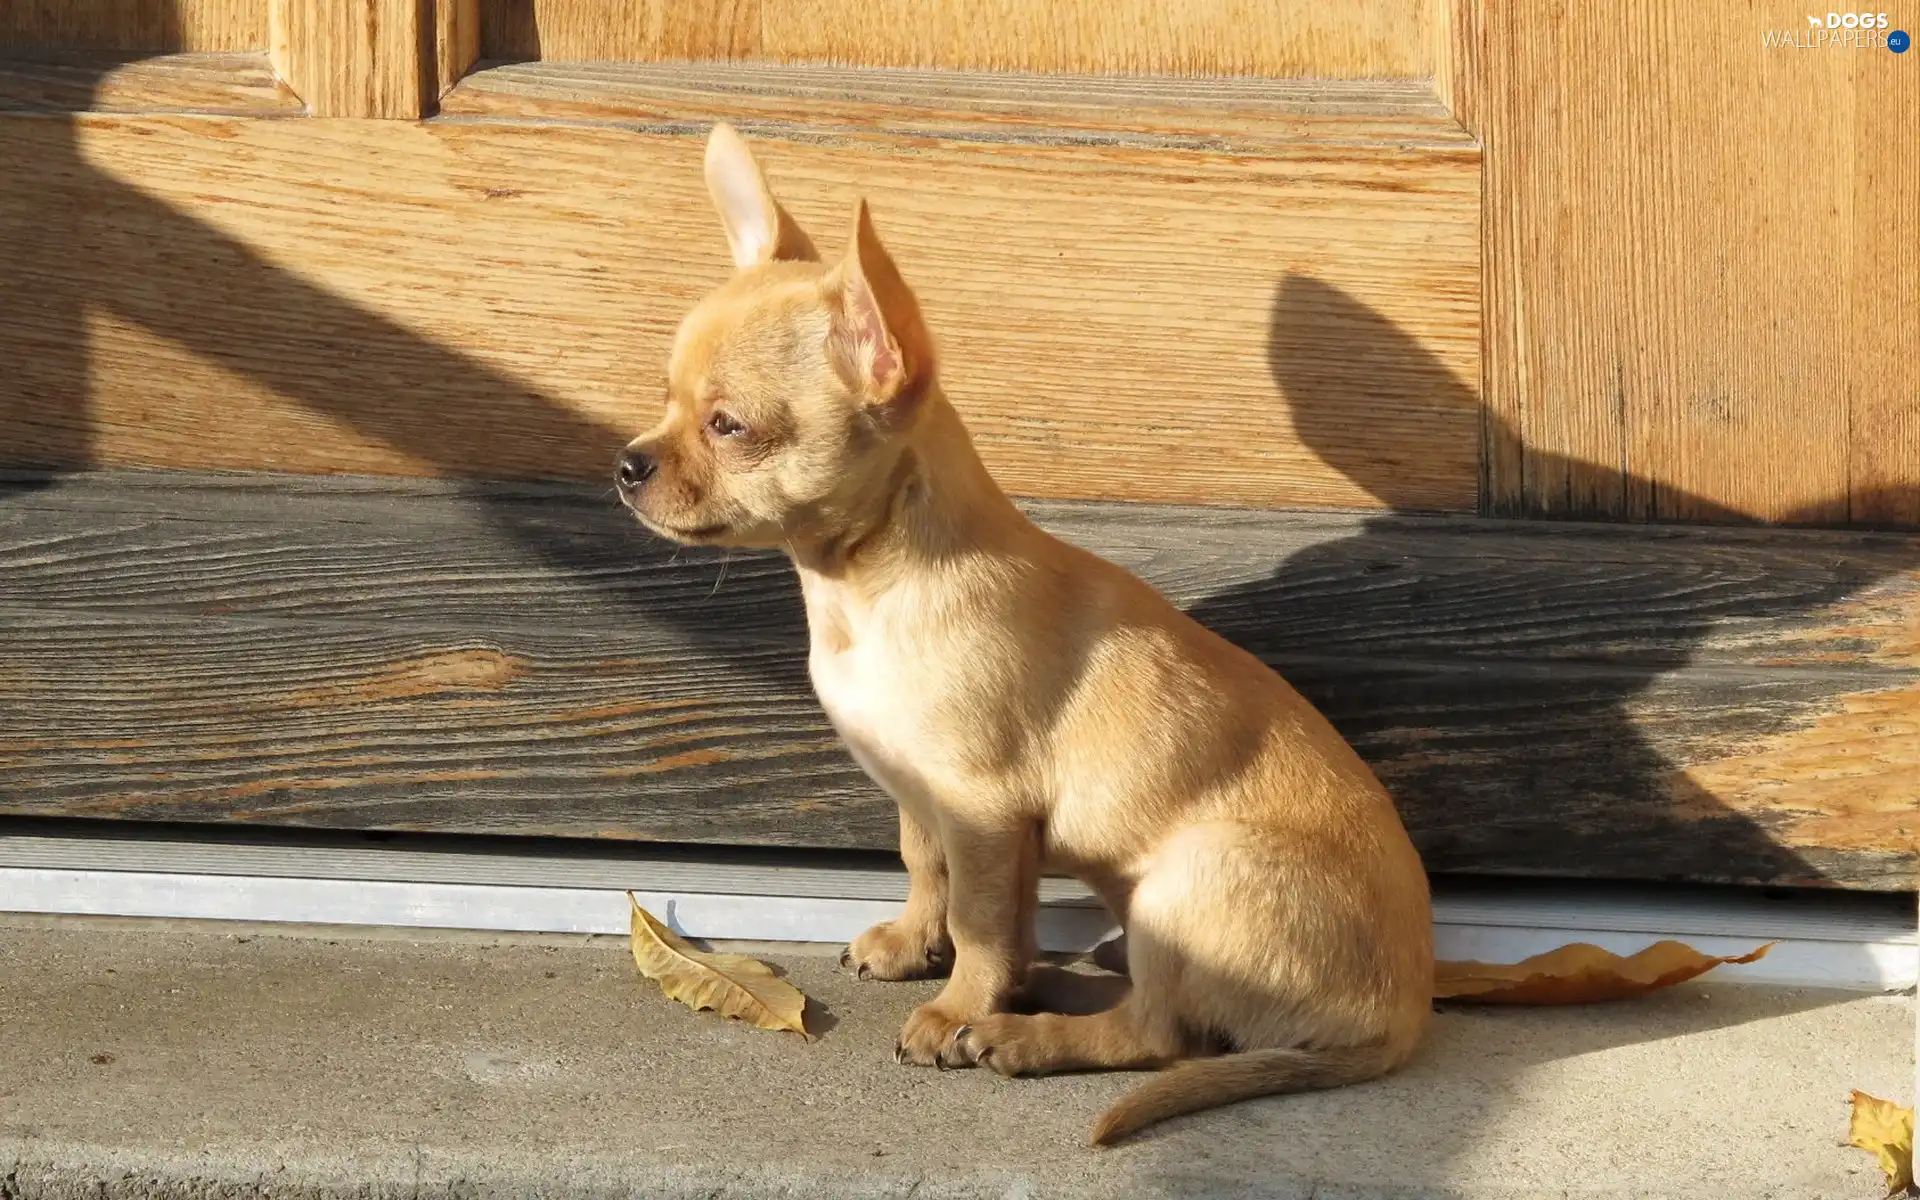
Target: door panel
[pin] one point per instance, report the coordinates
(1703, 222)
(495, 298)
(1204, 269)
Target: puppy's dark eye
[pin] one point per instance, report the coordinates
(722, 425)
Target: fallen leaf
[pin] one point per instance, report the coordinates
(731, 984)
(1576, 974)
(1885, 1130)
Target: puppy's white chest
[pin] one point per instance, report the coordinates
(877, 712)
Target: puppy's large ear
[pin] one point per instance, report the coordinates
(879, 340)
(758, 229)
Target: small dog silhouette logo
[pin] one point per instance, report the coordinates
(1816, 22)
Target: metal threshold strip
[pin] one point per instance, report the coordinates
(1831, 939)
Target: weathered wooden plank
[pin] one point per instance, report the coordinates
(1368, 39)
(364, 725)
(1496, 769)
(1542, 699)
(1249, 316)
(229, 83)
(1396, 588)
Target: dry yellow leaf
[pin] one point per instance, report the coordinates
(1885, 1130)
(731, 984)
(1576, 974)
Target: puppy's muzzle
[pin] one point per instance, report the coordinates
(633, 470)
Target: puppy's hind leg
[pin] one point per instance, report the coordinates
(1311, 980)
(1143, 1031)
(1221, 950)
(1137, 1033)
(1046, 1043)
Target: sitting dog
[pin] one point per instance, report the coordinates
(1031, 707)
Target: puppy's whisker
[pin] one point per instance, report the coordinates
(725, 558)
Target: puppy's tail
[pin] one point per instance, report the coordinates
(1201, 1083)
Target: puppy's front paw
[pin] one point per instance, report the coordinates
(1008, 1043)
(931, 1038)
(892, 950)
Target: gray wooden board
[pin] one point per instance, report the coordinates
(522, 659)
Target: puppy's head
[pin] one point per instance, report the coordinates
(791, 390)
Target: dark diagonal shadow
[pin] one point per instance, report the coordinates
(1475, 690)
(84, 242)
(1530, 677)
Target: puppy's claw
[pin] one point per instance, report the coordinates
(899, 1051)
(864, 973)
(957, 1052)
(982, 1048)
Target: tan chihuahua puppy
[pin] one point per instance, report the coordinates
(1032, 707)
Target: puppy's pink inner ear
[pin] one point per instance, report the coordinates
(884, 361)
(874, 353)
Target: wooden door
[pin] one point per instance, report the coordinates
(326, 318)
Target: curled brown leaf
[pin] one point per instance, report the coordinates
(1577, 974)
(733, 985)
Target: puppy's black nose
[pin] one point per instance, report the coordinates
(635, 469)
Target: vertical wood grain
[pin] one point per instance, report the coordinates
(1884, 335)
(456, 38)
(154, 25)
(1696, 245)
(1459, 59)
(356, 58)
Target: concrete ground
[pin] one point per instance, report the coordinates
(209, 1061)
